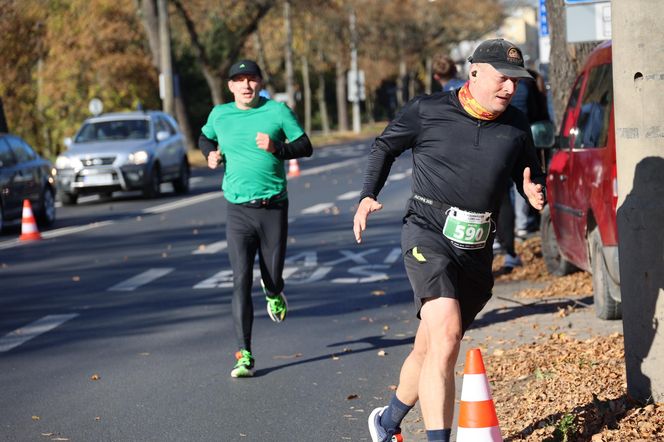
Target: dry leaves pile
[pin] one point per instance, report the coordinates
(564, 389)
(534, 269)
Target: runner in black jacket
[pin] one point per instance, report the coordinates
(467, 146)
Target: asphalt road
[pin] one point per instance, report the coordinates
(117, 327)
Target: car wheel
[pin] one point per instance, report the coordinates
(181, 184)
(606, 306)
(152, 186)
(68, 199)
(555, 263)
(47, 209)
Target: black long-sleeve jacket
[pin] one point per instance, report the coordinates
(457, 159)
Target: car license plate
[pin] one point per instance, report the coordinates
(98, 180)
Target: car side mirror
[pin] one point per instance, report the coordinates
(543, 134)
(67, 141)
(162, 135)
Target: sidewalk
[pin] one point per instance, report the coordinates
(510, 322)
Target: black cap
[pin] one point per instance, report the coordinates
(504, 56)
(246, 67)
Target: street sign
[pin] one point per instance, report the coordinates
(544, 38)
(588, 22)
(543, 20)
(95, 106)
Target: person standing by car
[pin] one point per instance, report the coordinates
(248, 136)
(467, 145)
(445, 73)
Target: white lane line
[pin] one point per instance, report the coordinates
(318, 208)
(21, 335)
(69, 230)
(224, 278)
(57, 232)
(353, 194)
(140, 279)
(209, 249)
(183, 202)
(393, 256)
(328, 167)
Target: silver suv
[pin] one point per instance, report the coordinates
(123, 151)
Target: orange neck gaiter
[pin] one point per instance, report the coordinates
(472, 106)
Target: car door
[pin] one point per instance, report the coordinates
(589, 180)
(28, 169)
(11, 188)
(558, 177)
(168, 147)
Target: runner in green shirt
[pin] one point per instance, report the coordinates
(249, 136)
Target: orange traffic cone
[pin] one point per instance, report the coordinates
(293, 168)
(477, 415)
(29, 231)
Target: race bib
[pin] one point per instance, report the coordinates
(467, 230)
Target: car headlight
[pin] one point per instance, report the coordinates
(140, 157)
(64, 162)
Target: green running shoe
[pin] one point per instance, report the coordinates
(277, 305)
(244, 366)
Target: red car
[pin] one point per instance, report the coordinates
(578, 226)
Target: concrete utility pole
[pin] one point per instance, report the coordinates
(166, 79)
(355, 73)
(638, 83)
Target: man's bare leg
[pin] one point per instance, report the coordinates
(441, 323)
(409, 378)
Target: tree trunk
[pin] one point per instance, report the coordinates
(370, 107)
(322, 105)
(215, 83)
(566, 59)
(3, 119)
(288, 56)
(267, 76)
(214, 74)
(428, 75)
(166, 66)
(149, 15)
(342, 108)
(149, 18)
(306, 86)
(182, 117)
(401, 83)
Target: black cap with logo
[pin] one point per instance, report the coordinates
(244, 67)
(504, 56)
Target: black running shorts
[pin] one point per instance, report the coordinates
(437, 269)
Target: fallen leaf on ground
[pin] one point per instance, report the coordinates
(293, 356)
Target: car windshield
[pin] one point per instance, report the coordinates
(113, 130)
